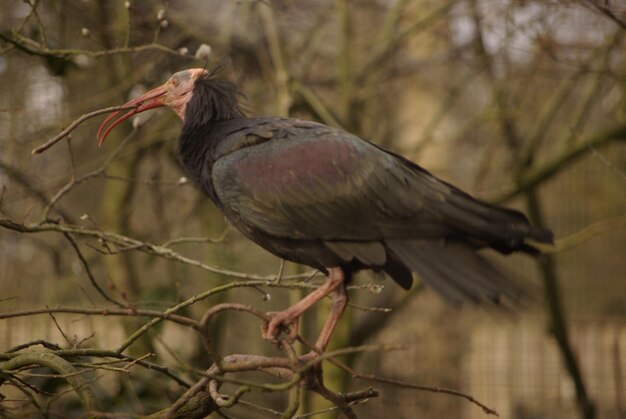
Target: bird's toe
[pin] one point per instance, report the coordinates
(279, 321)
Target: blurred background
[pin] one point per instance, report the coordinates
(519, 102)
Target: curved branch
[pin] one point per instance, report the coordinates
(203, 327)
(100, 353)
(61, 366)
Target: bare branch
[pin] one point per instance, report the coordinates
(92, 279)
(76, 123)
(589, 232)
(124, 242)
(99, 172)
(544, 171)
(606, 10)
(406, 385)
(175, 318)
(31, 47)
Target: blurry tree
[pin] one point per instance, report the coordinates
(517, 101)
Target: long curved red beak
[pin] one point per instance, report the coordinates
(150, 100)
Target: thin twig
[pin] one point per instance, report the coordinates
(67, 339)
(99, 172)
(90, 275)
(175, 318)
(406, 385)
(76, 123)
(180, 240)
(146, 247)
(28, 45)
(45, 344)
(540, 173)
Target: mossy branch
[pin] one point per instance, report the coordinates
(70, 374)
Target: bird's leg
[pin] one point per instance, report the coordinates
(288, 316)
(337, 307)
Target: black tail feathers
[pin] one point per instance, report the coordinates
(455, 270)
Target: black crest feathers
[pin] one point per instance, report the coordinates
(213, 100)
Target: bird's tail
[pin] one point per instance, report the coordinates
(485, 225)
(455, 270)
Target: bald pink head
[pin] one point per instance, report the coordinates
(174, 93)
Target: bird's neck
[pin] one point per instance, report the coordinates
(213, 104)
(211, 101)
(196, 149)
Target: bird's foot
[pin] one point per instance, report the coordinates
(280, 321)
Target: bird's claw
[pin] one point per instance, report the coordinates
(280, 321)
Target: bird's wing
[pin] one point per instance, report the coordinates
(309, 181)
(313, 181)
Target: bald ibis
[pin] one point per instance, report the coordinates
(322, 197)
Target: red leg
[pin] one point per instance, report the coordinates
(289, 316)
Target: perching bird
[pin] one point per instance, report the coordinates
(322, 197)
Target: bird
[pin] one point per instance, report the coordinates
(322, 197)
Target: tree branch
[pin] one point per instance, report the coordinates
(61, 366)
(32, 47)
(75, 125)
(534, 176)
(127, 243)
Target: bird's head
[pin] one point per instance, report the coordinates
(194, 85)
